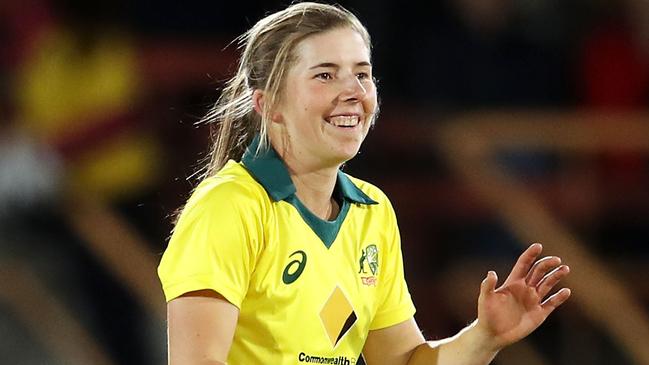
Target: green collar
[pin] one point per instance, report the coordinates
(271, 172)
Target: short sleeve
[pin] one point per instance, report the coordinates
(215, 243)
(395, 304)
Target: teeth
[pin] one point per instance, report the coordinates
(344, 120)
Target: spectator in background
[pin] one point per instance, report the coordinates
(75, 94)
(614, 65)
(80, 86)
(613, 76)
(78, 91)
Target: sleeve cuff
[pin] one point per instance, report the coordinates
(392, 317)
(202, 282)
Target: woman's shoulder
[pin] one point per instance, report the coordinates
(230, 194)
(233, 183)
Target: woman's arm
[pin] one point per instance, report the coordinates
(505, 315)
(201, 328)
(404, 344)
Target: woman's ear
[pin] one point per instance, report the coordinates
(258, 101)
(258, 98)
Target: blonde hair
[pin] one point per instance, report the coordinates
(268, 53)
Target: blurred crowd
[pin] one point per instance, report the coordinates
(99, 100)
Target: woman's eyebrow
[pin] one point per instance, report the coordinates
(335, 65)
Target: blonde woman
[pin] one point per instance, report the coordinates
(281, 258)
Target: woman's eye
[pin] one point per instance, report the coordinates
(324, 76)
(363, 76)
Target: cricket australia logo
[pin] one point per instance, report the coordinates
(369, 261)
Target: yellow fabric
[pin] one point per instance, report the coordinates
(232, 238)
(63, 89)
(119, 167)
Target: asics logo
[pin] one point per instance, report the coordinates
(294, 269)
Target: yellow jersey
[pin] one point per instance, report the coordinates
(308, 290)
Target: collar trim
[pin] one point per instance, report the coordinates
(270, 171)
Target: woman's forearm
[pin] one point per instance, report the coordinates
(468, 347)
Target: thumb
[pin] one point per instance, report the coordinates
(489, 284)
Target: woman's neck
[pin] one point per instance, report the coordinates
(313, 178)
(315, 188)
(315, 191)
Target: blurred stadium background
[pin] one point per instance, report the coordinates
(503, 122)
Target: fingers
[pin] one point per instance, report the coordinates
(525, 262)
(541, 268)
(555, 300)
(551, 279)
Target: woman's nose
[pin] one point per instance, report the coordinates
(352, 89)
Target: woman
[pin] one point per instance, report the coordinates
(279, 257)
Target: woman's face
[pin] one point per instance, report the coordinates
(328, 100)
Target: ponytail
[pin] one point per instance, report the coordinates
(233, 124)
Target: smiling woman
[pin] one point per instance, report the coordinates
(327, 104)
(279, 257)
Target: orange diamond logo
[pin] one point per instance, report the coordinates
(337, 316)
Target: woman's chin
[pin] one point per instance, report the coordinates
(344, 155)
